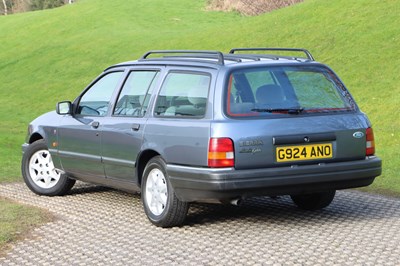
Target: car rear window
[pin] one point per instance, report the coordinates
(286, 90)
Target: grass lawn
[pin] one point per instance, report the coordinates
(49, 56)
(17, 220)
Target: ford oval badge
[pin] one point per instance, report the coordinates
(358, 135)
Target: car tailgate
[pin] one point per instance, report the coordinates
(260, 143)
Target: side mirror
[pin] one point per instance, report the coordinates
(64, 108)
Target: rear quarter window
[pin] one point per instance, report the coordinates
(183, 94)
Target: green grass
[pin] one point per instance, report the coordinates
(16, 220)
(48, 56)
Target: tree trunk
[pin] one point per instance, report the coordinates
(5, 7)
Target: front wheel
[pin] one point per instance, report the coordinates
(39, 172)
(314, 201)
(160, 203)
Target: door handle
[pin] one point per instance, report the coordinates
(95, 124)
(135, 127)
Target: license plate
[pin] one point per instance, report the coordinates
(304, 152)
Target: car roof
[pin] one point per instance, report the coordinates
(217, 59)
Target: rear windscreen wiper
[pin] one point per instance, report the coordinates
(278, 110)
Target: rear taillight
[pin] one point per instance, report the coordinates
(221, 153)
(370, 147)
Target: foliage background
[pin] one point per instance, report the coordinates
(51, 55)
(18, 6)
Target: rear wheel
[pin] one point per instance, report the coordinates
(314, 201)
(39, 172)
(160, 203)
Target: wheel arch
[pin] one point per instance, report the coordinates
(143, 158)
(35, 137)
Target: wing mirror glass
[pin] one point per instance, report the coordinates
(64, 108)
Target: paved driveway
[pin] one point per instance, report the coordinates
(99, 226)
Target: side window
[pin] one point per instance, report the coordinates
(95, 101)
(135, 95)
(183, 95)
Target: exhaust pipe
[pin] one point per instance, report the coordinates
(236, 202)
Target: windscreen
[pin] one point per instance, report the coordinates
(286, 90)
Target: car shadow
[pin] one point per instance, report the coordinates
(86, 188)
(350, 205)
(282, 210)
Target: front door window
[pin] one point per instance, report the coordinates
(96, 100)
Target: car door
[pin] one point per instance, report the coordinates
(122, 133)
(79, 136)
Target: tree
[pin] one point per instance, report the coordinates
(17, 6)
(45, 4)
(5, 7)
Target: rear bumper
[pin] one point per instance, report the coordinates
(205, 184)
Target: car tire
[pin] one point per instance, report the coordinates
(160, 203)
(314, 201)
(39, 172)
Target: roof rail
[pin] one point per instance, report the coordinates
(306, 52)
(205, 56)
(189, 53)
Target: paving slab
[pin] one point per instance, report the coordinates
(100, 226)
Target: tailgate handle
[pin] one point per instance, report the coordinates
(135, 127)
(306, 138)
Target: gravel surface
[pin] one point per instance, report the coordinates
(99, 226)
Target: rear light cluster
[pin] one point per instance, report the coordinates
(221, 153)
(370, 146)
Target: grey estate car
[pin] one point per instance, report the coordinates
(204, 126)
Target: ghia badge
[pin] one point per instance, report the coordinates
(358, 135)
(247, 146)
